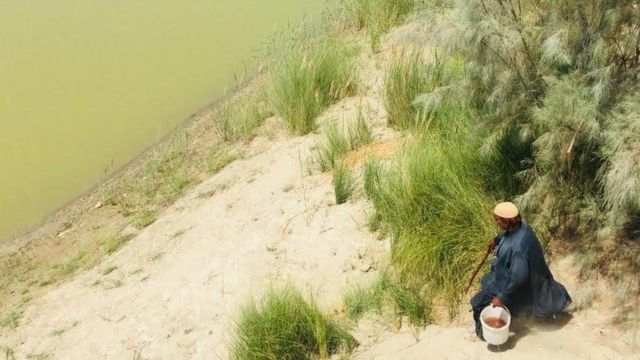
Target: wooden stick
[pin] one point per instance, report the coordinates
(486, 255)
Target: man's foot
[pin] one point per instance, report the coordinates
(472, 336)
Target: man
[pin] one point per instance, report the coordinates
(519, 278)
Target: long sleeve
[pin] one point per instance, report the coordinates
(519, 277)
(498, 238)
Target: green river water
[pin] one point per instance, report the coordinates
(85, 85)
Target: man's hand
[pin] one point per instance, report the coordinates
(491, 245)
(497, 302)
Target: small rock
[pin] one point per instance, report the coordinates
(271, 248)
(98, 205)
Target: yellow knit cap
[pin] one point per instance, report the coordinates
(506, 210)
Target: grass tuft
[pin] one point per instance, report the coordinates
(372, 171)
(378, 16)
(238, 120)
(337, 145)
(285, 326)
(335, 148)
(144, 218)
(359, 133)
(433, 203)
(11, 320)
(406, 79)
(343, 182)
(72, 265)
(315, 75)
(113, 243)
(404, 297)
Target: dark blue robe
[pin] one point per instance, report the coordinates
(520, 277)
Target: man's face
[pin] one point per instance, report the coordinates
(500, 222)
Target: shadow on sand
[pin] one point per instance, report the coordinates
(521, 326)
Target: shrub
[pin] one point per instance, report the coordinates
(285, 326)
(313, 76)
(621, 173)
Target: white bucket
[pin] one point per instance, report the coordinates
(495, 336)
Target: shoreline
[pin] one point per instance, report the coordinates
(61, 213)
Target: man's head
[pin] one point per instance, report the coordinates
(506, 216)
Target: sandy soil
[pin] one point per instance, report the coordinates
(585, 334)
(174, 290)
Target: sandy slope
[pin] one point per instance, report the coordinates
(574, 340)
(178, 284)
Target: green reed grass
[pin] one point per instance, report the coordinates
(388, 291)
(433, 202)
(372, 170)
(238, 119)
(316, 74)
(360, 133)
(378, 16)
(336, 146)
(343, 182)
(285, 326)
(407, 77)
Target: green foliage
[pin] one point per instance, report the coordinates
(113, 243)
(552, 82)
(237, 119)
(621, 173)
(378, 16)
(160, 183)
(169, 173)
(144, 218)
(336, 145)
(437, 212)
(11, 320)
(72, 265)
(433, 202)
(9, 353)
(285, 326)
(316, 74)
(333, 151)
(567, 132)
(410, 301)
(359, 133)
(441, 108)
(406, 78)
(402, 296)
(343, 182)
(372, 171)
(219, 156)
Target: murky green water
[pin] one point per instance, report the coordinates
(85, 84)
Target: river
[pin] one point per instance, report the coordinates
(86, 85)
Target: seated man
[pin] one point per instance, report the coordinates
(519, 278)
